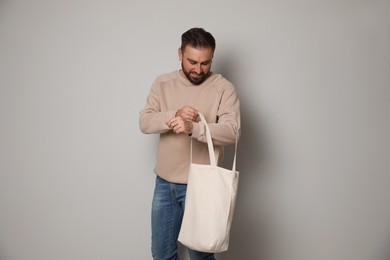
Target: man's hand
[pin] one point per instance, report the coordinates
(187, 113)
(178, 125)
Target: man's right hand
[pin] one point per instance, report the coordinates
(188, 113)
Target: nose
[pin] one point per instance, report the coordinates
(198, 68)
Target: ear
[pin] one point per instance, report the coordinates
(180, 53)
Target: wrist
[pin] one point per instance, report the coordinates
(190, 128)
(195, 131)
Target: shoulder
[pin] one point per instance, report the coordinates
(221, 83)
(166, 77)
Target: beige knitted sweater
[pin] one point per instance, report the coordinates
(215, 98)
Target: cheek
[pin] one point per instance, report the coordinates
(187, 66)
(206, 68)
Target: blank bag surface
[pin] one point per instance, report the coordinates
(210, 202)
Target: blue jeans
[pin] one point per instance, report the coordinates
(167, 213)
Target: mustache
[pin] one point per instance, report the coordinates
(198, 74)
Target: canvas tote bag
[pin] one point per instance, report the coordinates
(209, 204)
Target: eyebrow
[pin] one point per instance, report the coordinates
(204, 62)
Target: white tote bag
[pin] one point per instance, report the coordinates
(209, 204)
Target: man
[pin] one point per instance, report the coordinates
(171, 110)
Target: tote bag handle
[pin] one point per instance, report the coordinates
(213, 160)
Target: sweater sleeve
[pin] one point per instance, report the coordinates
(152, 120)
(228, 122)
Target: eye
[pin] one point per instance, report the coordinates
(192, 62)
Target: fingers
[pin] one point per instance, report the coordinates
(192, 113)
(190, 117)
(188, 113)
(178, 125)
(175, 124)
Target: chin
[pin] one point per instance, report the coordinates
(197, 81)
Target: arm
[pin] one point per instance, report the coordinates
(152, 120)
(227, 126)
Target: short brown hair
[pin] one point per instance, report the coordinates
(197, 38)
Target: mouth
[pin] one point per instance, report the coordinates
(196, 75)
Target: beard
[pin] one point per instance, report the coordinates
(194, 77)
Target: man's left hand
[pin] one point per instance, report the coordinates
(178, 125)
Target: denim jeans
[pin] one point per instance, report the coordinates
(167, 213)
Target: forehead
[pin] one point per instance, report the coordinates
(198, 54)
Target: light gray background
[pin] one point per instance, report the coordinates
(314, 81)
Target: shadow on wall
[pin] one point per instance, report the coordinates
(248, 238)
(248, 234)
